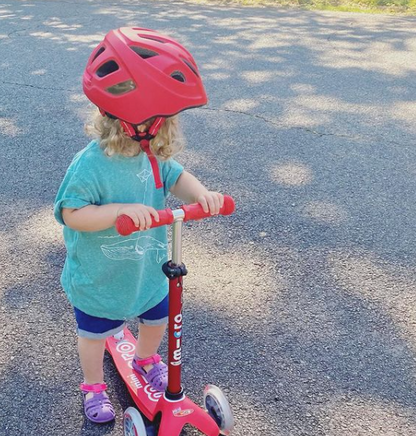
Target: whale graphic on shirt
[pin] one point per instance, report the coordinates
(135, 249)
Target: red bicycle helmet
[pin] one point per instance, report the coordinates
(136, 74)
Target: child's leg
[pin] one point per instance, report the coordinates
(148, 341)
(97, 406)
(92, 334)
(91, 355)
(147, 362)
(151, 330)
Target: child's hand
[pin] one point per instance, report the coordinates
(140, 214)
(211, 202)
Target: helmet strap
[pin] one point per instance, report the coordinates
(144, 139)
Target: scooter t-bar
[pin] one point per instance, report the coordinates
(125, 225)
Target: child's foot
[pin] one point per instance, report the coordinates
(153, 370)
(97, 406)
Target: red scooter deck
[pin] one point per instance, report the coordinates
(122, 352)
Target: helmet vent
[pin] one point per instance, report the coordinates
(107, 68)
(192, 68)
(179, 76)
(98, 53)
(144, 53)
(122, 88)
(152, 38)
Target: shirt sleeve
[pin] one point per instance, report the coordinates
(74, 193)
(171, 170)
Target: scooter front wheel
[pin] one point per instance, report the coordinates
(133, 423)
(217, 406)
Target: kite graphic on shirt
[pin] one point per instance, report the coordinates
(144, 177)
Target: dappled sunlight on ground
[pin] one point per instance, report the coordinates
(5, 13)
(229, 282)
(78, 98)
(41, 229)
(379, 57)
(405, 113)
(385, 286)
(57, 23)
(359, 415)
(65, 38)
(314, 110)
(40, 72)
(218, 76)
(38, 234)
(240, 104)
(9, 128)
(257, 76)
(325, 212)
(303, 88)
(241, 54)
(26, 248)
(291, 174)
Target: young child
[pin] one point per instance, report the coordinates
(140, 80)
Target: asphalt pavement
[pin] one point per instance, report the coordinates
(302, 305)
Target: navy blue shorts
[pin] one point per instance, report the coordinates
(93, 327)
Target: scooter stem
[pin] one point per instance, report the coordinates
(178, 217)
(175, 270)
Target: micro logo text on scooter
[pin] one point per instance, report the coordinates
(177, 332)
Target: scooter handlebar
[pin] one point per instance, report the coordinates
(125, 225)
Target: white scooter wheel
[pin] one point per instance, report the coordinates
(217, 406)
(133, 423)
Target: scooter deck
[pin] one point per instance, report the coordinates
(122, 352)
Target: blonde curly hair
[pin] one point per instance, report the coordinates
(168, 141)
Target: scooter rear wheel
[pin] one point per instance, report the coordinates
(133, 423)
(217, 406)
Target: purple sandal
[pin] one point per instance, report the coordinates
(98, 409)
(157, 377)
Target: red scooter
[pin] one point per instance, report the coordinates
(169, 411)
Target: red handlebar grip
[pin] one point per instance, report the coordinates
(195, 211)
(125, 225)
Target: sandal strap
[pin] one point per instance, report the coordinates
(148, 361)
(96, 387)
(98, 408)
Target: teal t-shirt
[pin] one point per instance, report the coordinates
(107, 275)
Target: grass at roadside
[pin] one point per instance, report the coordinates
(405, 7)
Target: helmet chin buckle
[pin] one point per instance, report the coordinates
(148, 135)
(129, 129)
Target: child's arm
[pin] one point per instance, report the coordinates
(190, 190)
(94, 218)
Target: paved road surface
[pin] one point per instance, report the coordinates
(302, 305)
